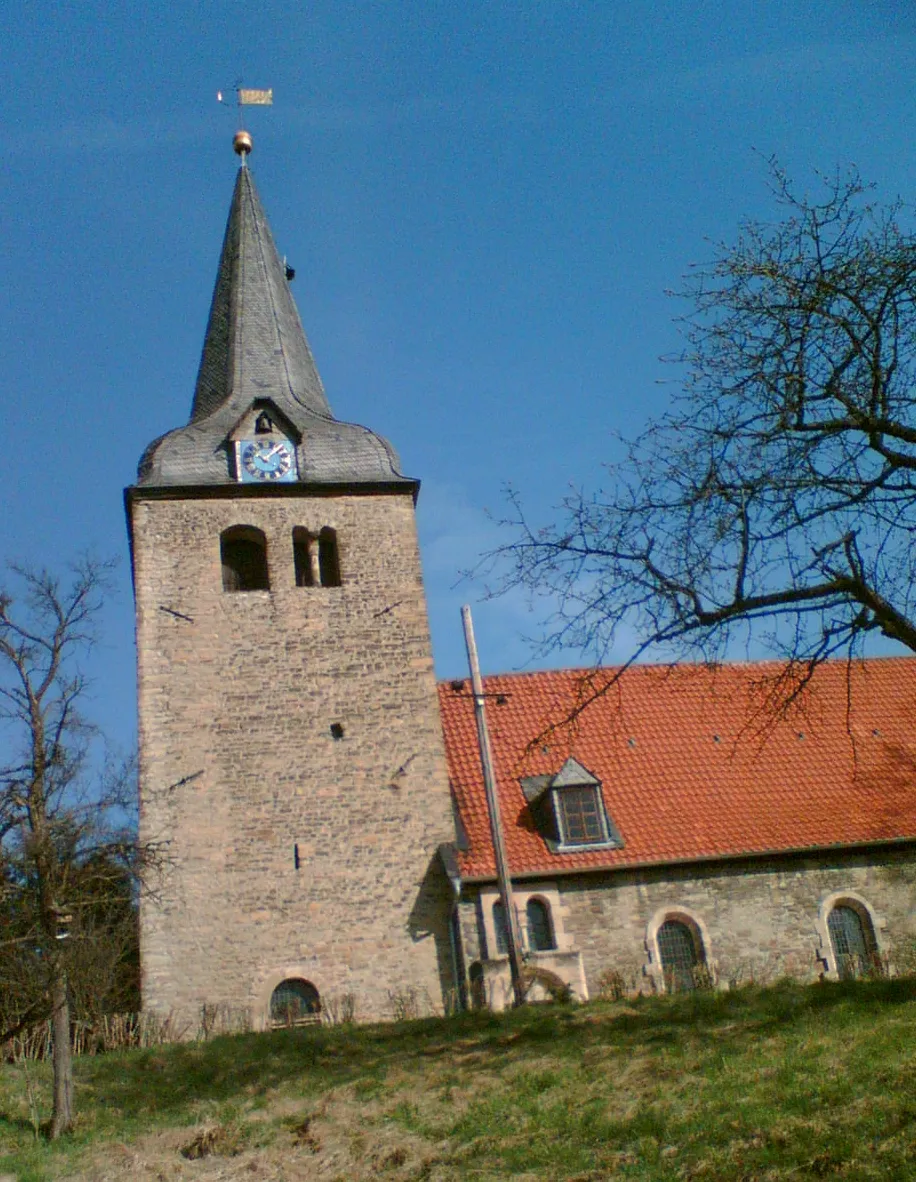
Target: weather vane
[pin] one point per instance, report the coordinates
(246, 96)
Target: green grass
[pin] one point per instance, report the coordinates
(788, 1082)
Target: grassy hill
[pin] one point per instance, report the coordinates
(780, 1083)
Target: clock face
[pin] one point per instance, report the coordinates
(266, 461)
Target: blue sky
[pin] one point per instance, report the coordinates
(485, 204)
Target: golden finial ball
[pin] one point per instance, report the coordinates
(242, 143)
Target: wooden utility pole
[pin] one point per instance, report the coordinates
(496, 831)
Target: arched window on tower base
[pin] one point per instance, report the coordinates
(294, 1002)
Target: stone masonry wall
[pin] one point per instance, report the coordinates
(759, 920)
(239, 766)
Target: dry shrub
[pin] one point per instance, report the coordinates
(614, 985)
(404, 1003)
(303, 1135)
(226, 1140)
(753, 971)
(222, 1018)
(451, 1003)
(703, 977)
(904, 958)
(32, 1043)
(339, 1009)
(118, 1032)
(394, 1159)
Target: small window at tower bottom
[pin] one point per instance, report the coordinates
(295, 1001)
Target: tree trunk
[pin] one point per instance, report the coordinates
(62, 1113)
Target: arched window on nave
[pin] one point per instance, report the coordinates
(853, 940)
(540, 928)
(500, 928)
(681, 951)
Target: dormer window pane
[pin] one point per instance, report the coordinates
(580, 816)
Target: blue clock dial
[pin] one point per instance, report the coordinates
(267, 460)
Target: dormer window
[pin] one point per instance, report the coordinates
(568, 810)
(580, 815)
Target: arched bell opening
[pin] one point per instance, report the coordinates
(243, 554)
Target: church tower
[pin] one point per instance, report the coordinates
(291, 754)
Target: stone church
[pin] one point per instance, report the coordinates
(321, 798)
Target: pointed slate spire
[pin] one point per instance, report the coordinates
(256, 355)
(255, 346)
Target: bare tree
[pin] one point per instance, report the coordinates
(66, 839)
(777, 498)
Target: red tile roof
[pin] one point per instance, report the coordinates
(692, 763)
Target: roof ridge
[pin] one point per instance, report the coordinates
(679, 666)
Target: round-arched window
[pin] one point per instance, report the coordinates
(501, 928)
(540, 930)
(853, 942)
(681, 953)
(294, 1000)
(243, 552)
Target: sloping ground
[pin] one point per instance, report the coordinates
(788, 1082)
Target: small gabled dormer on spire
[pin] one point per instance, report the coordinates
(256, 361)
